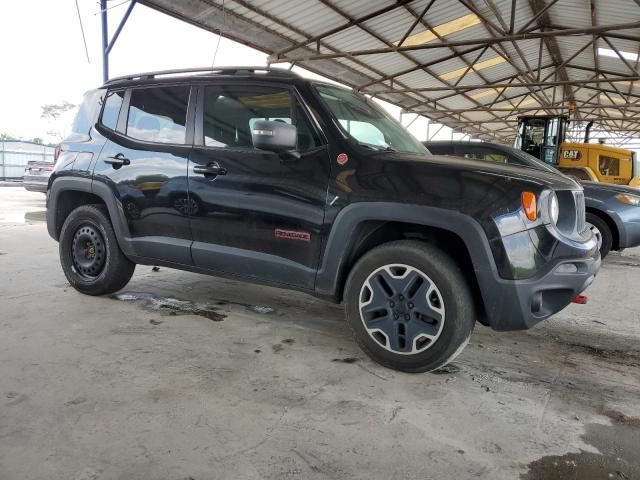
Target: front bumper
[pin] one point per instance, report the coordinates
(520, 304)
(549, 270)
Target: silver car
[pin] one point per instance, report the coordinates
(36, 175)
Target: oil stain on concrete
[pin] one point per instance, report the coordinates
(171, 306)
(619, 458)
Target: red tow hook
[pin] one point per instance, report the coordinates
(581, 299)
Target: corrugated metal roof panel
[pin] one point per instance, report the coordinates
(274, 25)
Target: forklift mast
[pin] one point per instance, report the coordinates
(542, 136)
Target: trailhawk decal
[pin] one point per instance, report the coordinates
(292, 235)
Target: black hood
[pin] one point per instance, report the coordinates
(542, 177)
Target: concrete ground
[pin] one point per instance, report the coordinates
(183, 376)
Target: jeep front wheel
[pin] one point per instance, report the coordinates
(409, 306)
(89, 253)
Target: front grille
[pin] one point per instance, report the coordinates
(581, 225)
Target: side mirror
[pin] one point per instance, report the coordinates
(277, 137)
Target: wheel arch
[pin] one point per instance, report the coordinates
(66, 194)
(615, 245)
(360, 227)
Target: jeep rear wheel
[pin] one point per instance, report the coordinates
(89, 253)
(409, 306)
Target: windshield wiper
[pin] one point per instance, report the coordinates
(386, 148)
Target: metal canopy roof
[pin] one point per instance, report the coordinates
(473, 65)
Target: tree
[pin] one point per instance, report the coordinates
(53, 111)
(38, 140)
(6, 136)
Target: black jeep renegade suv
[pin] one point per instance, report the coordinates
(264, 176)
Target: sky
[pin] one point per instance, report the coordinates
(43, 58)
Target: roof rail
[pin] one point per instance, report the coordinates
(204, 70)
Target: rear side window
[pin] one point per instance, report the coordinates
(111, 110)
(158, 114)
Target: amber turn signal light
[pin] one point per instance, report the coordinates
(529, 205)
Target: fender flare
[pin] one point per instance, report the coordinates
(87, 185)
(346, 222)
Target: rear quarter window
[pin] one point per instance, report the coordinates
(111, 110)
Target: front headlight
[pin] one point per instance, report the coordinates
(628, 199)
(554, 208)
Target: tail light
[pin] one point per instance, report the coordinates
(56, 153)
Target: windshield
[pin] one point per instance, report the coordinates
(367, 123)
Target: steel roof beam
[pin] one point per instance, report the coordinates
(460, 43)
(513, 85)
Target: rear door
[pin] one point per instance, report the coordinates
(261, 215)
(144, 164)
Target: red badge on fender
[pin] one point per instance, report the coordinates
(342, 158)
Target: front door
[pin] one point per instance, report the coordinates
(144, 163)
(259, 213)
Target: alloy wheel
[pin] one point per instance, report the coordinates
(402, 309)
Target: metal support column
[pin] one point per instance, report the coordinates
(105, 40)
(106, 44)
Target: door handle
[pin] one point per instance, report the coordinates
(212, 169)
(117, 160)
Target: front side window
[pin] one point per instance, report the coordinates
(366, 123)
(111, 110)
(158, 114)
(231, 111)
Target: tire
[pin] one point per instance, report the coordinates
(423, 343)
(89, 253)
(601, 229)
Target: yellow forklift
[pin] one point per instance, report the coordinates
(543, 136)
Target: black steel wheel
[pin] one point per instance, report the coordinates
(409, 306)
(89, 252)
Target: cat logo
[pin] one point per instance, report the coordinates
(571, 154)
